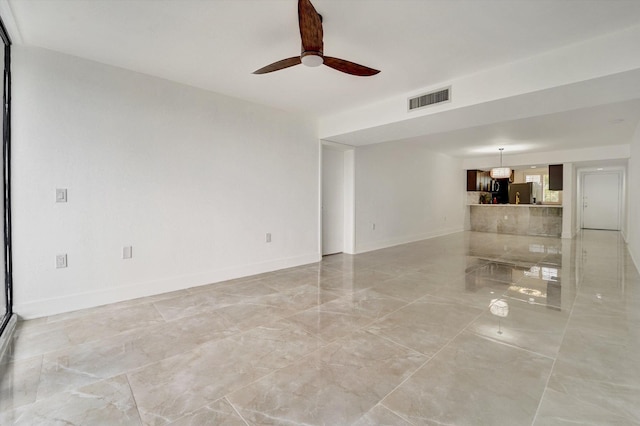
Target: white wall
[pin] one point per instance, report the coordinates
(569, 198)
(633, 202)
(576, 202)
(192, 180)
(409, 192)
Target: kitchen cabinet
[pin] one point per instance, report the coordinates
(478, 180)
(555, 177)
(472, 179)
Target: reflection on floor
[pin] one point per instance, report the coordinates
(400, 336)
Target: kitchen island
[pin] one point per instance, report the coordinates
(519, 219)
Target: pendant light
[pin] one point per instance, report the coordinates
(500, 172)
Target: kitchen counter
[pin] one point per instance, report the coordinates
(519, 219)
(556, 206)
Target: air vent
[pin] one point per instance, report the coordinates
(431, 98)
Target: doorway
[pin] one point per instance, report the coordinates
(337, 203)
(601, 200)
(332, 201)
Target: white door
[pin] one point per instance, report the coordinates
(601, 201)
(332, 201)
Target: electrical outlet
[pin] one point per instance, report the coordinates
(268, 238)
(61, 195)
(61, 261)
(373, 226)
(127, 252)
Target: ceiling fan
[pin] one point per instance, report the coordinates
(312, 55)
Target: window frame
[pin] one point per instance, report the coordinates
(6, 169)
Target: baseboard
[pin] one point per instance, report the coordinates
(377, 245)
(74, 302)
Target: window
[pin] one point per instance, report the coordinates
(6, 293)
(533, 178)
(548, 197)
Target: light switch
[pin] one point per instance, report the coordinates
(61, 195)
(127, 252)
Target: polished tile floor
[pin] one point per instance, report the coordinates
(400, 336)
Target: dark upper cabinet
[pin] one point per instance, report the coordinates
(472, 180)
(555, 177)
(478, 180)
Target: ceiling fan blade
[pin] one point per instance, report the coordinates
(310, 27)
(280, 65)
(349, 67)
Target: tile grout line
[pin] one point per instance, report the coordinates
(555, 359)
(390, 340)
(380, 404)
(331, 342)
(133, 396)
(322, 344)
(429, 359)
(236, 410)
(39, 377)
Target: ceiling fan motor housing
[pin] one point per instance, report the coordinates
(312, 58)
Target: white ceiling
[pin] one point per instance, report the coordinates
(586, 127)
(216, 44)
